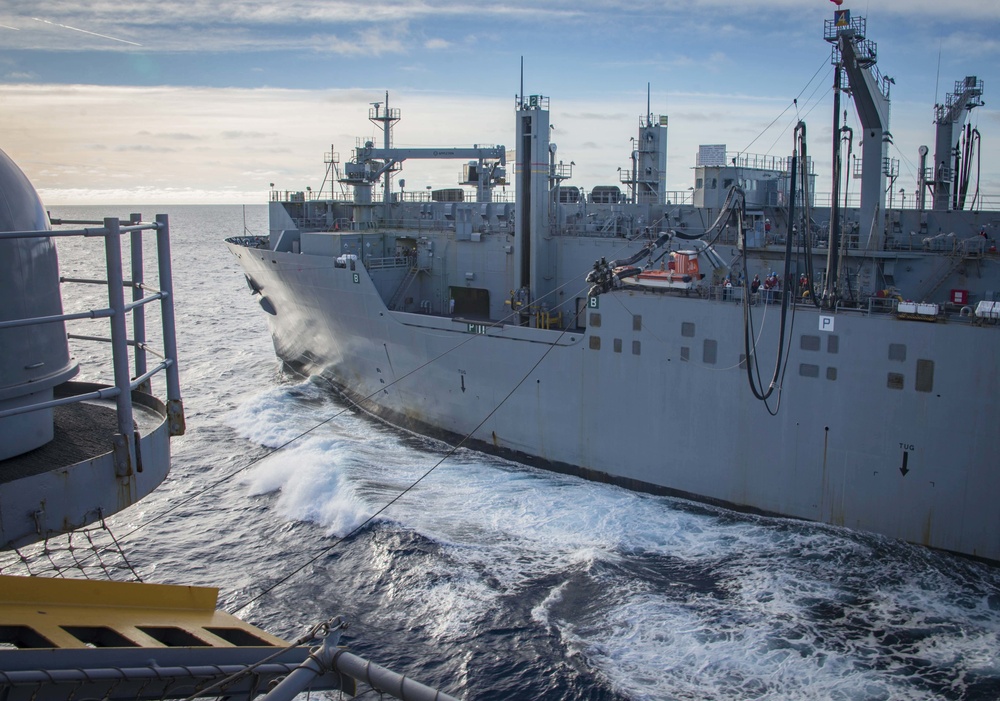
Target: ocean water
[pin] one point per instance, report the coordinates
(492, 580)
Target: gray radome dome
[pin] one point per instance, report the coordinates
(35, 358)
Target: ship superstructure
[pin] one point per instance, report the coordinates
(630, 334)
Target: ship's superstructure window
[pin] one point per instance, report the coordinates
(831, 373)
(709, 351)
(808, 370)
(636, 348)
(897, 351)
(595, 319)
(832, 343)
(617, 345)
(595, 343)
(894, 381)
(687, 329)
(810, 343)
(685, 353)
(925, 376)
(637, 322)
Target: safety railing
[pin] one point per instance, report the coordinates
(389, 262)
(111, 230)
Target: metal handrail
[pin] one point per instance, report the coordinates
(111, 230)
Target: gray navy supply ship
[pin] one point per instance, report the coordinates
(743, 347)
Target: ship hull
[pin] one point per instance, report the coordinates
(884, 425)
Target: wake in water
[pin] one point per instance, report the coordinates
(591, 591)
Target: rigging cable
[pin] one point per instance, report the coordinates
(451, 451)
(793, 103)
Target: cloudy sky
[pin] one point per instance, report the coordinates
(190, 101)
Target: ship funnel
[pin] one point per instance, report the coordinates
(35, 357)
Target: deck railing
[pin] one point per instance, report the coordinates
(112, 230)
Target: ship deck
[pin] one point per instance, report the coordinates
(82, 431)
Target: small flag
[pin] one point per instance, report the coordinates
(837, 2)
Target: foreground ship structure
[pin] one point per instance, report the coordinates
(856, 386)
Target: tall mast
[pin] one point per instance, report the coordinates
(387, 184)
(386, 118)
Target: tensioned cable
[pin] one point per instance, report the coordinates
(764, 131)
(793, 103)
(451, 451)
(798, 118)
(324, 626)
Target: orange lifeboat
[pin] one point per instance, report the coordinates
(681, 273)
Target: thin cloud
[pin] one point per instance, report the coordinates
(247, 134)
(85, 31)
(179, 136)
(597, 116)
(144, 148)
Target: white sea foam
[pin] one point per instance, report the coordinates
(540, 613)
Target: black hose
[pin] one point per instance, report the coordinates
(754, 383)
